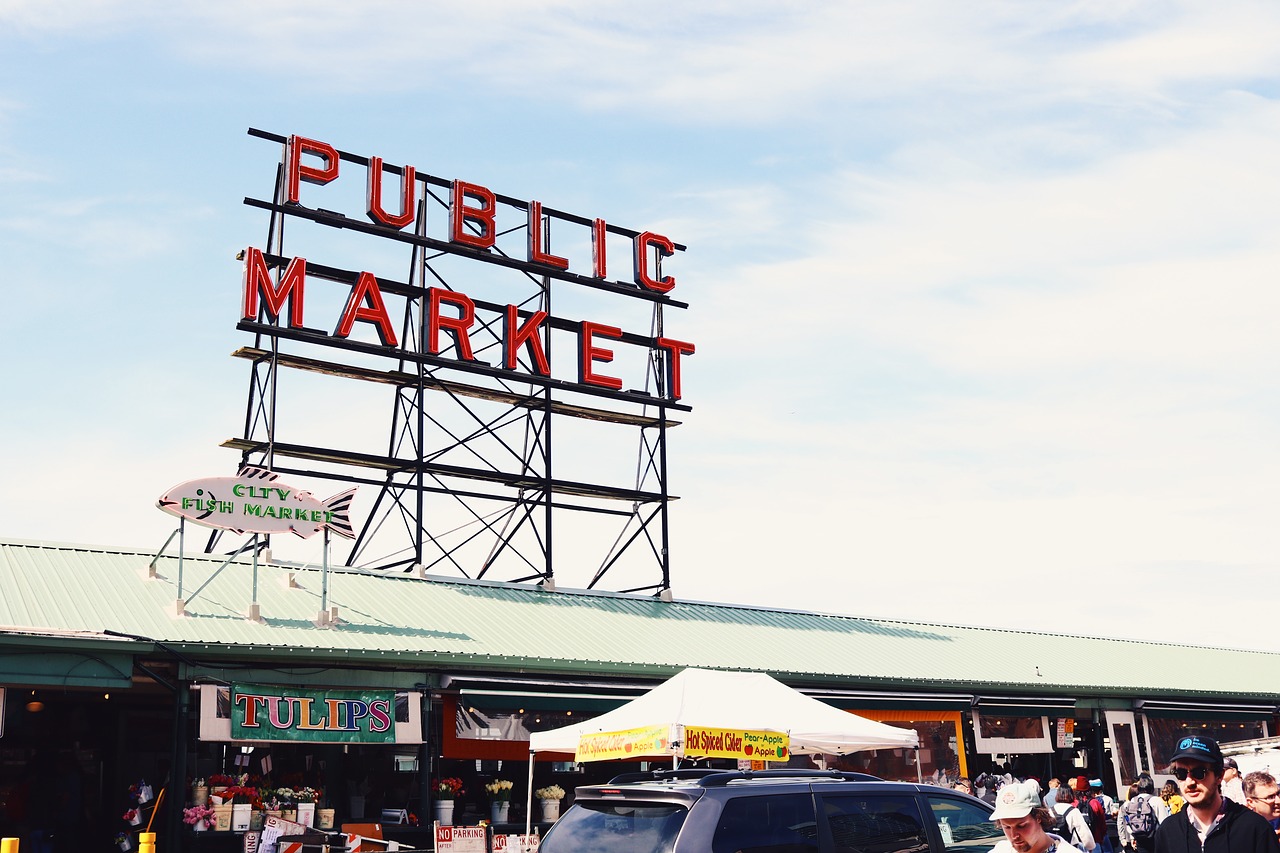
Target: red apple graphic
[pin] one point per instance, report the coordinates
(626, 748)
(748, 749)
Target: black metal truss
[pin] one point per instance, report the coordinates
(500, 421)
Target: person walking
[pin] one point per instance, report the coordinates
(1172, 799)
(1209, 822)
(1262, 794)
(1025, 822)
(1070, 823)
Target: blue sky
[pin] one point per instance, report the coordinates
(983, 294)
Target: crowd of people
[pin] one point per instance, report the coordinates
(1210, 809)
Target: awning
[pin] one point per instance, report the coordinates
(853, 700)
(1203, 711)
(532, 694)
(1025, 706)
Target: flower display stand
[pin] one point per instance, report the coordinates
(444, 812)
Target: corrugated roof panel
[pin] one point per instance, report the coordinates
(431, 623)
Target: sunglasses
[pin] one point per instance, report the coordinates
(1197, 773)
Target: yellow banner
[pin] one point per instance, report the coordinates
(706, 742)
(605, 746)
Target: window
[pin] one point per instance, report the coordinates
(875, 823)
(623, 827)
(964, 826)
(767, 824)
(1163, 734)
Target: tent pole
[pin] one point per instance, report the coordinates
(528, 805)
(919, 770)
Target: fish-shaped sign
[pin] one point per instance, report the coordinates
(254, 501)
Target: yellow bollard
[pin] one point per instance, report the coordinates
(10, 845)
(146, 842)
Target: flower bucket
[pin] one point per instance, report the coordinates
(307, 814)
(290, 815)
(198, 826)
(257, 819)
(241, 815)
(550, 810)
(499, 810)
(324, 818)
(125, 844)
(137, 817)
(444, 812)
(200, 795)
(222, 814)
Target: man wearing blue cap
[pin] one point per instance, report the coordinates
(1209, 823)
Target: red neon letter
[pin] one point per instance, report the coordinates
(408, 193)
(460, 214)
(587, 353)
(599, 260)
(456, 326)
(513, 335)
(674, 350)
(376, 313)
(665, 248)
(294, 170)
(258, 277)
(536, 254)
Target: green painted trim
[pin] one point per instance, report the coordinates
(67, 668)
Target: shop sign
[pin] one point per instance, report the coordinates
(606, 746)
(324, 716)
(475, 219)
(1066, 732)
(708, 742)
(461, 839)
(254, 501)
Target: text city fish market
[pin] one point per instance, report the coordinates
(472, 223)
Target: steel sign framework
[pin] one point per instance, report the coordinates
(466, 476)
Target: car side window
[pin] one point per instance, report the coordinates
(875, 823)
(777, 824)
(965, 826)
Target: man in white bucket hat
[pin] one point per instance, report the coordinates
(1025, 822)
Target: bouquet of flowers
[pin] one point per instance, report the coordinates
(123, 839)
(197, 814)
(286, 796)
(222, 780)
(240, 794)
(499, 789)
(448, 789)
(307, 795)
(551, 792)
(130, 815)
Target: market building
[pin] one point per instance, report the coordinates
(105, 683)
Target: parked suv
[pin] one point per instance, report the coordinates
(771, 811)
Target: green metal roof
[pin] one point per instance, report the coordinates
(72, 594)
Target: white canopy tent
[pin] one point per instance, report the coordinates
(746, 700)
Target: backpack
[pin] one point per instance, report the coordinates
(1140, 819)
(1060, 825)
(1089, 815)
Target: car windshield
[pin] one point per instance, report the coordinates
(616, 827)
